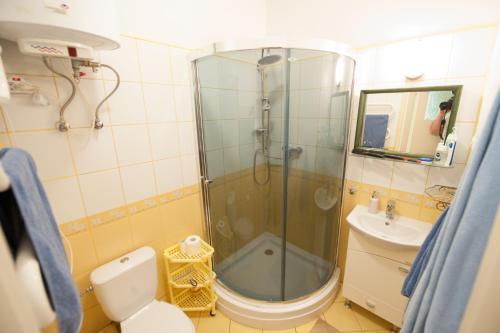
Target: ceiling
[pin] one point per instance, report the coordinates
(363, 23)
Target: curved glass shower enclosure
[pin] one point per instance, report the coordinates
(272, 129)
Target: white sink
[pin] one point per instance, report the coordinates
(400, 231)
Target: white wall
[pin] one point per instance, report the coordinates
(366, 22)
(192, 23)
(460, 58)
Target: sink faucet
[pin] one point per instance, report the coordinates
(389, 210)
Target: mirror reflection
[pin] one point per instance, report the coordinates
(406, 122)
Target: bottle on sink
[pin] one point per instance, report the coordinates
(373, 205)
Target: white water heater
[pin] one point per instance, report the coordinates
(69, 29)
(59, 28)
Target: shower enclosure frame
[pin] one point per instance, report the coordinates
(257, 313)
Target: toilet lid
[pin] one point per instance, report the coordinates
(158, 317)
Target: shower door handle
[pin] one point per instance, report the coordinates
(208, 181)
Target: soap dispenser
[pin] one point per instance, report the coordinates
(373, 205)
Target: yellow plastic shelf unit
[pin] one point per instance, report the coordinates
(192, 275)
(175, 255)
(201, 300)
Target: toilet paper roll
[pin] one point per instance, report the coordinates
(192, 245)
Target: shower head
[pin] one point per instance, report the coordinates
(269, 60)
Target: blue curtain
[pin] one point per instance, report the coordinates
(441, 294)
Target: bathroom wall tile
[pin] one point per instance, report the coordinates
(210, 103)
(231, 160)
(65, 199)
(215, 159)
(159, 101)
(89, 93)
(168, 174)
(390, 63)
(138, 182)
(209, 71)
(132, 144)
(228, 104)
(94, 320)
(471, 52)
(434, 55)
(189, 170)
(228, 74)
(248, 102)
(470, 98)
(112, 239)
(465, 132)
(246, 156)
(124, 60)
(308, 131)
(246, 129)
(154, 62)
(212, 134)
(82, 283)
(230, 134)
(50, 150)
(84, 255)
(92, 150)
(181, 72)
(445, 176)
(101, 191)
(409, 177)
(187, 138)
(164, 141)
(354, 168)
(126, 106)
(309, 70)
(22, 114)
(248, 78)
(377, 172)
(146, 227)
(183, 103)
(309, 103)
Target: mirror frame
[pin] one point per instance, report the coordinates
(389, 154)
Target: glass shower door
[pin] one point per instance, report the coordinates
(319, 94)
(241, 116)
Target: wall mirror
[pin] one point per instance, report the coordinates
(405, 123)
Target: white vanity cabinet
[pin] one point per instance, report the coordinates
(380, 252)
(374, 276)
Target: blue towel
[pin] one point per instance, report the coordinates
(442, 292)
(42, 230)
(375, 130)
(422, 258)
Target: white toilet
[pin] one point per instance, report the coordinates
(126, 289)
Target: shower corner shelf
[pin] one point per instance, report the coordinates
(190, 278)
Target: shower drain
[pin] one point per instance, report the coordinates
(269, 252)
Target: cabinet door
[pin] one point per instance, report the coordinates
(375, 283)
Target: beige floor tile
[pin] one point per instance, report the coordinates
(290, 330)
(239, 328)
(342, 318)
(368, 320)
(216, 324)
(306, 328)
(340, 296)
(195, 317)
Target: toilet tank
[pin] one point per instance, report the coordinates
(127, 284)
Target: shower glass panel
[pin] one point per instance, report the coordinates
(272, 127)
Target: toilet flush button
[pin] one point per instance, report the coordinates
(124, 260)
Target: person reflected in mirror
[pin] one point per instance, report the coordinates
(438, 125)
